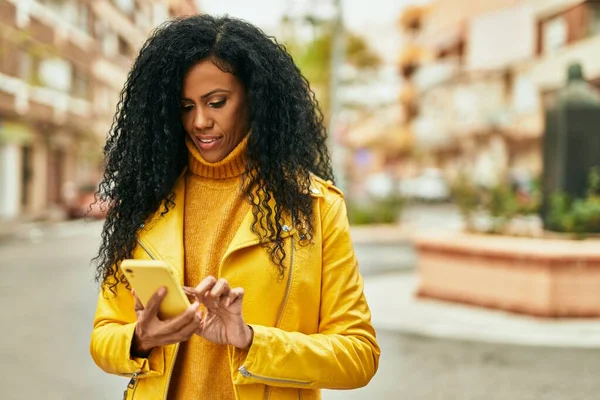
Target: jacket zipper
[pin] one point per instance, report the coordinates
(146, 249)
(243, 369)
(170, 373)
(287, 287)
(132, 385)
(249, 374)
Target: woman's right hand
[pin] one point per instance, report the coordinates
(151, 332)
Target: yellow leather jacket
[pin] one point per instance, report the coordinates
(312, 329)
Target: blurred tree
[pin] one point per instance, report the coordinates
(412, 17)
(314, 60)
(359, 54)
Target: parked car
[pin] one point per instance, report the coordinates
(85, 204)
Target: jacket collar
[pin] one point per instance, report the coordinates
(162, 235)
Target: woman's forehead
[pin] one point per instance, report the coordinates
(205, 76)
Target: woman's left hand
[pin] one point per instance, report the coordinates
(222, 322)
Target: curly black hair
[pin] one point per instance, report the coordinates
(145, 151)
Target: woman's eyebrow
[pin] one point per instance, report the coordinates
(213, 92)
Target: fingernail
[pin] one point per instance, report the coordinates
(162, 291)
(195, 306)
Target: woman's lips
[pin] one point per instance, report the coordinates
(207, 143)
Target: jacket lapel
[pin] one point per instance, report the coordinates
(244, 237)
(162, 235)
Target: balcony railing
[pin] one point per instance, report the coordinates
(32, 8)
(60, 102)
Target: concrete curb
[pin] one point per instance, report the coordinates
(395, 308)
(380, 234)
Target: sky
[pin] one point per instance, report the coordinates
(375, 19)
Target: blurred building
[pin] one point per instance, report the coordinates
(182, 7)
(488, 70)
(62, 67)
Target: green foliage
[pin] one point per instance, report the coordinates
(314, 60)
(467, 198)
(380, 211)
(594, 182)
(501, 203)
(577, 216)
(531, 203)
(359, 53)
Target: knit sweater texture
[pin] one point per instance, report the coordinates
(214, 209)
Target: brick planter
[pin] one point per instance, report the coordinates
(541, 277)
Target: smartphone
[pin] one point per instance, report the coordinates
(147, 276)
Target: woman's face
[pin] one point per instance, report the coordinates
(213, 110)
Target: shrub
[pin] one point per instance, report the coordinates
(577, 216)
(376, 211)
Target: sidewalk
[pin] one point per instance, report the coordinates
(16, 229)
(395, 308)
(37, 230)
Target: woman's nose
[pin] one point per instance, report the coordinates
(202, 121)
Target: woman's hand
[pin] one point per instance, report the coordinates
(222, 322)
(151, 332)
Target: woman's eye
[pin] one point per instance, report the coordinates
(187, 108)
(217, 104)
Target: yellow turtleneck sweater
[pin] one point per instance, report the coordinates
(214, 209)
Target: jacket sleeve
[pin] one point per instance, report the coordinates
(344, 354)
(114, 325)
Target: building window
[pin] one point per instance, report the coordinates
(104, 99)
(143, 18)
(83, 17)
(594, 18)
(570, 26)
(160, 13)
(74, 12)
(26, 67)
(555, 34)
(124, 48)
(107, 38)
(81, 84)
(110, 44)
(127, 6)
(29, 64)
(56, 73)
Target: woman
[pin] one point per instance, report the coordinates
(214, 165)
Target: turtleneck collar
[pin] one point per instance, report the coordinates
(233, 165)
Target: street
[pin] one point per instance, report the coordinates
(49, 299)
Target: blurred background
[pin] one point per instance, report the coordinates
(464, 135)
